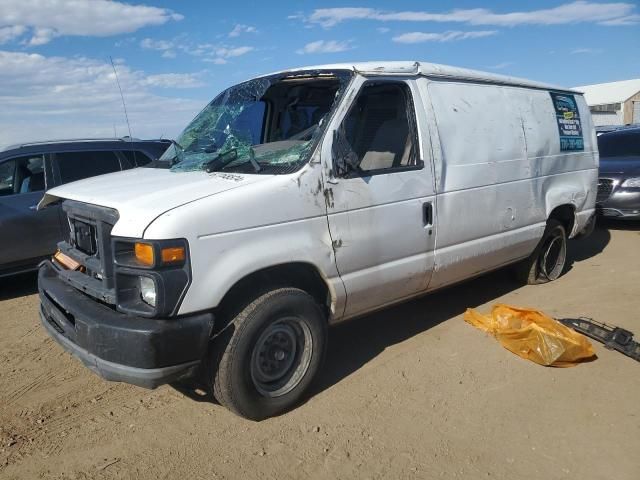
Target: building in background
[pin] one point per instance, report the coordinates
(613, 103)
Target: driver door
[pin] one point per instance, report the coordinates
(381, 209)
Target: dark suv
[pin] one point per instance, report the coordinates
(27, 171)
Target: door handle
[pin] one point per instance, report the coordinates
(33, 207)
(427, 214)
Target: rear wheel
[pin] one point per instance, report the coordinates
(548, 260)
(266, 358)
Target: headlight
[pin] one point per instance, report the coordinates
(631, 183)
(151, 276)
(148, 290)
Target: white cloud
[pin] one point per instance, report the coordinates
(500, 66)
(229, 52)
(450, 36)
(47, 97)
(240, 29)
(622, 21)
(574, 12)
(47, 19)
(174, 80)
(216, 54)
(325, 46)
(588, 51)
(151, 44)
(168, 48)
(42, 36)
(383, 30)
(329, 17)
(9, 33)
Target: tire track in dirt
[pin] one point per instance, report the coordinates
(36, 383)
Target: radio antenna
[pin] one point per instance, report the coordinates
(124, 105)
(126, 115)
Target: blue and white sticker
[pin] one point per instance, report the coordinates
(568, 119)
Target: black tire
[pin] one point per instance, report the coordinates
(548, 260)
(264, 361)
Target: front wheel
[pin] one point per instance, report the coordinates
(548, 260)
(269, 354)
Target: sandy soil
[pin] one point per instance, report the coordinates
(410, 392)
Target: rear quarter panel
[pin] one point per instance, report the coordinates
(500, 173)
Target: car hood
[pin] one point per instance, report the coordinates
(627, 166)
(143, 194)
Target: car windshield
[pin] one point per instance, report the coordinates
(267, 125)
(619, 144)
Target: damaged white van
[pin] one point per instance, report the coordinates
(303, 198)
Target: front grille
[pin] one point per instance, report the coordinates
(605, 187)
(89, 243)
(83, 236)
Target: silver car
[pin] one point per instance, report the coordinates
(619, 178)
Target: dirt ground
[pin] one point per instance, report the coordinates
(410, 392)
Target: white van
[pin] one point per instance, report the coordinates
(303, 198)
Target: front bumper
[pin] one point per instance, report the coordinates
(622, 204)
(119, 347)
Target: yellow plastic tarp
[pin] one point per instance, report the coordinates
(533, 335)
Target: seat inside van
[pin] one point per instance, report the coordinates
(378, 128)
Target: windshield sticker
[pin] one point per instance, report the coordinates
(228, 176)
(568, 119)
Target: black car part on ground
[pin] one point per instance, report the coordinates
(614, 338)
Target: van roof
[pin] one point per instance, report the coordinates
(432, 70)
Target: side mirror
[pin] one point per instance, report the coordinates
(344, 158)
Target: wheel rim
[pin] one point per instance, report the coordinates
(553, 256)
(281, 356)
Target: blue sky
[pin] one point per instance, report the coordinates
(173, 57)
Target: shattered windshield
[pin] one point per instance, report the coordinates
(267, 125)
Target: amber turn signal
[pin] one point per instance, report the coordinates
(144, 253)
(173, 255)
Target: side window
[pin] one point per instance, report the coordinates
(7, 173)
(136, 159)
(22, 175)
(78, 165)
(380, 127)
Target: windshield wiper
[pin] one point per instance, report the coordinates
(221, 160)
(252, 159)
(224, 159)
(179, 151)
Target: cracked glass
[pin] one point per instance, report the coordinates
(269, 125)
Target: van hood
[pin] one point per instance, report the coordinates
(143, 194)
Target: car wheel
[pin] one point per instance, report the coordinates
(548, 260)
(269, 354)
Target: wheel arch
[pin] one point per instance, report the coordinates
(302, 275)
(565, 214)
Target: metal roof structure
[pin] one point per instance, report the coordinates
(612, 92)
(432, 70)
